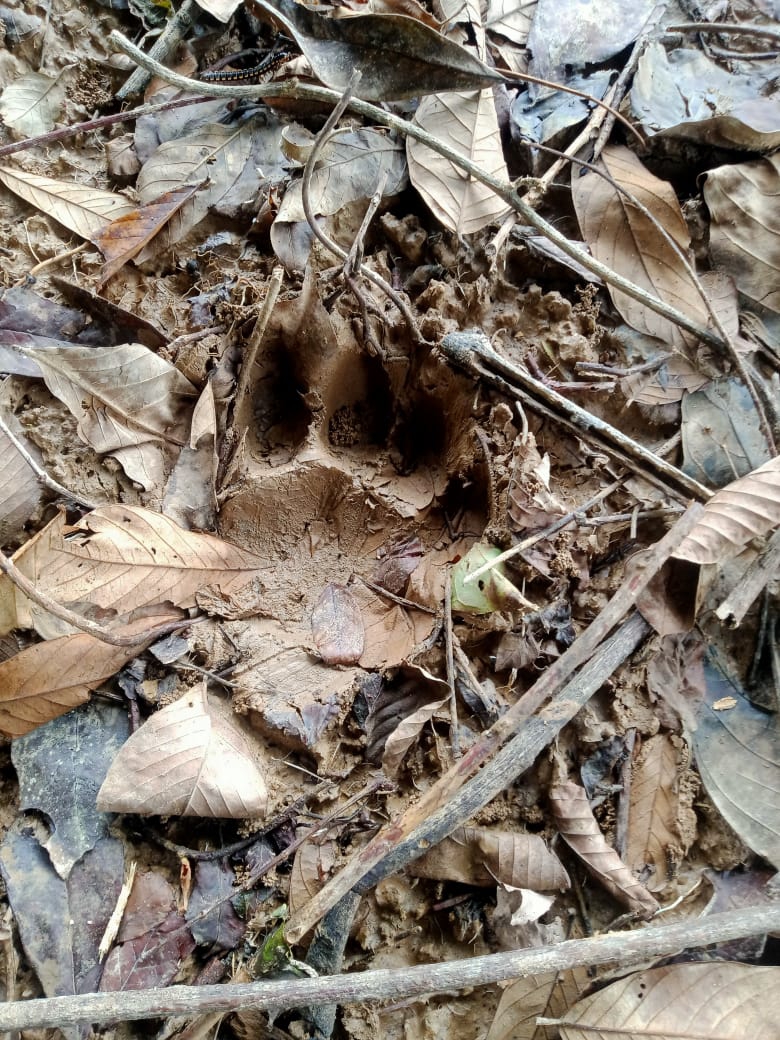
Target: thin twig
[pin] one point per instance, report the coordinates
(734, 28)
(258, 333)
(293, 89)
(624, 799)
(762, 570)
(177, 27)
(41, 474)
(448, 652)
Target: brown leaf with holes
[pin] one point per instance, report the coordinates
(747, 508)
(720, 1001)
(337, 626)
(478, 856)
(188, 759)
(579, 829)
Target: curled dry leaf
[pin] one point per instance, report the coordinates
(187, 760)
(747, 508)
(623, 238)
(477, 856)
(337, 626)
(720, 1001)
(406, 733)
(579, 829)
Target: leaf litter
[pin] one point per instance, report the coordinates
(378, 546)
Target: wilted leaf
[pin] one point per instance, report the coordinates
(467, 122)
(579, 829)
(655, 838)
(721, 433)
(126, 400)
(20, 489)
(738, 754)
(186, 760)
(220, 928)
(399, 57)
(124, 557)
(744, 231)
(747, 508)
(337, 626)
(129, 327)
(537, 996)
(81, 208)
(126, 236)
(623, 238)
(720, 1001)
(311, 868)
(406, 733)
(492, 591)
(44, 681)
(32, 104)
(479, 856)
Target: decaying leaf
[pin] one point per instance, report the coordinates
(190, 494)
(187, 760)
(124, 557)
(658, 801)
(492, 591)
(738, 754)
(20, 489)
(32, 104)
(311, 868)
(468, 122)
(623, 238)
(128, 401)
(721, 1000)
(81, 208)
(47, 679)
(478, 856)
(399, 57)
(747, 508)
(405, 734)
(537, 996)
(337, 626)
(210, 912)
(579, 829)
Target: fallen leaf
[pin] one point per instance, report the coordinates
(579, 829)
(81, 208)
(32, 104)
(722, 1001)
(186, 760)
(492, 591)
(337, 626)
(466, 121)
(623, 238)
(190, 495)
(536, 996)
(480, 856)
(311, 868)
(745, 509)
(398, 56)
(406, 733)
(216, 926)
(20, 490)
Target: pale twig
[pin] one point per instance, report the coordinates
(504, 190)
(449, 656)
(177, 27)
(258, 333)
(41, 474)
(734, 28)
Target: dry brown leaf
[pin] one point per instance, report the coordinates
(579, 829)
(665, 385)
(719, 1001)
(467, 121)
(655, 807)
(128, 401)
(537, 996)
(44, 681)
(190, 494)
(744, 229)
(511, 18)
(623, 238)
(81, 208)
(126, 236)
(310, 870)
(337, 626)
(121, 557)
(188, 759)
(478, 856)
(530, 502)
(20, 489)
(747, 508)
(32, 104)
(406, 733)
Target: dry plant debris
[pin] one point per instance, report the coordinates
(390, 504)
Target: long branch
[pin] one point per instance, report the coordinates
(627, 948)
